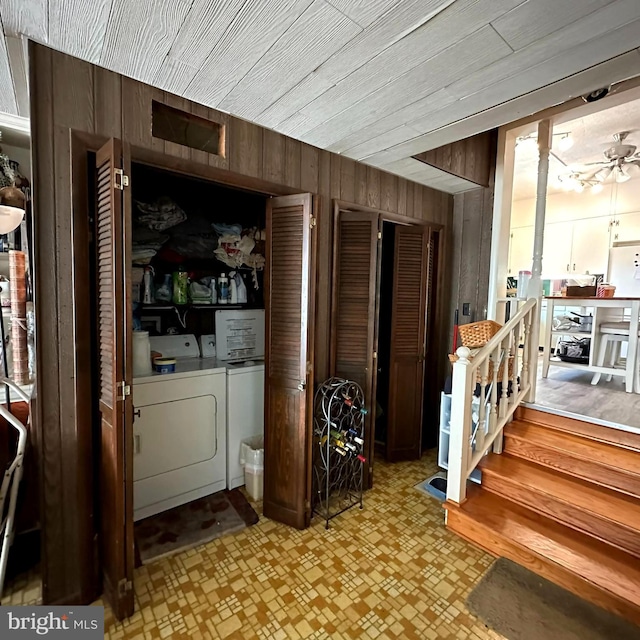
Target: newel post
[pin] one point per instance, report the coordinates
(460, 427)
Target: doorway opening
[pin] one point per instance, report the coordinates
(383, 319)
(165, 248)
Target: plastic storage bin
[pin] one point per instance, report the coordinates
(252, 457)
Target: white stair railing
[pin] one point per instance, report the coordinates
(503, 372)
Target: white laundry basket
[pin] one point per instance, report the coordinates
(252, 457)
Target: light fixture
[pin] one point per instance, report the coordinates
(579, 187)
(566, 142)
(621, 175)
(603, 174)
(527, 142)
(12, 203)
(597, 187)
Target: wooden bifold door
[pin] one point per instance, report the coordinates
(354, 327)
(113, 264)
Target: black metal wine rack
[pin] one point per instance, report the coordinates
(338, 448)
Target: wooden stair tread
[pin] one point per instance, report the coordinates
(608, 435)
(580, 467)
(585, 496)
(576, 445)
(610, 569)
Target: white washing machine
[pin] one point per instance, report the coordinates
(180, 449)
(245, 412)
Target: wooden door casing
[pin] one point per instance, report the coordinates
(354, 313)
(408, 337)
(290, 294)
(114, 361)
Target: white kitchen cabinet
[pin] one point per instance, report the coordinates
(626, 228)
(556, 252)
(520, 250)
(590, 246)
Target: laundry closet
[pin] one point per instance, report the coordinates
(198, 315)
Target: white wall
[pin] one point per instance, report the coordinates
(20, 155)
(564, 207)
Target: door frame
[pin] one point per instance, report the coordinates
(438, 313)
(85, 503)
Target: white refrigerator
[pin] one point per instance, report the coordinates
(624, 269)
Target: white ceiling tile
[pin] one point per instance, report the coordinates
(252, 33)
(319, 32)
(471, 54)
(202, 29)
(7, 95)
(384, 141)
(456, 22)
(89, 19)
(501, 82)
(403, 18)
(364, 12)
(139, 35)
(25, 17)
(533, 20)
(293, 124)
(616, 70)
(292, 101)
(561, 66)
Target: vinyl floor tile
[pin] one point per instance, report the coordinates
(391, 570)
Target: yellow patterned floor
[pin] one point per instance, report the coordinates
(389, 571)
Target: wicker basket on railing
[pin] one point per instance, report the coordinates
(453, 357)
(477, 334)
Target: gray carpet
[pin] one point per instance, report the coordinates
(521, 605)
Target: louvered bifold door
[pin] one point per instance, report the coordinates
(353, 309)
(406, 374)
(116, 515)
(290, 295)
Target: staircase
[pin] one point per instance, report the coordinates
(563, 500)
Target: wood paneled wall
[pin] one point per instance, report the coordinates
(70, 95)
(471, 253)
(472, 158)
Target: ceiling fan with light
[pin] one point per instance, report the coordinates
(618, 158)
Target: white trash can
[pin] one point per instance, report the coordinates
(252, 457)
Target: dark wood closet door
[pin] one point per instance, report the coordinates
(114, 360)
(404, 428)
(354, 309)
(290, 295)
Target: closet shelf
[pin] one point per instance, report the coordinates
(184, 307)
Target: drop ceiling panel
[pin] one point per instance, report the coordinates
(363, 12)
(586, 55)
(139, 35)
(459, 20)
(479, 91)
(89, 19)
(533, 20)
(320, 31)
(251, 34)
(612, 71)
(28, 17)
(471, 54)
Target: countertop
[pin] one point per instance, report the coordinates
(591, 298)
(191, 367)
